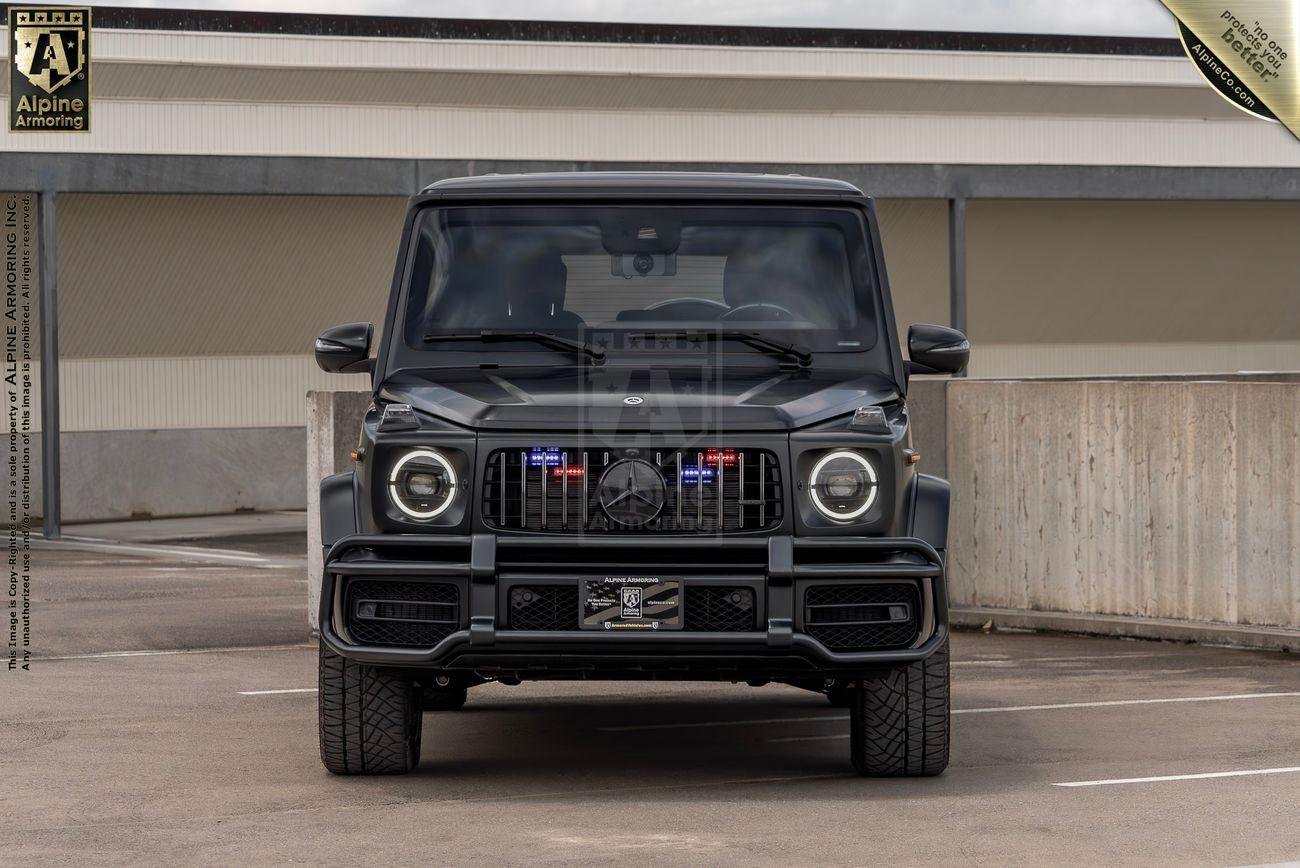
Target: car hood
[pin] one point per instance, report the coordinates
(643, 399)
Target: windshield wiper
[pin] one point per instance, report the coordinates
(753, 339)
(553, 341)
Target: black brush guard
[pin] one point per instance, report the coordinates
(781, 568)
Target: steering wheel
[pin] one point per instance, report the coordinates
(761, 310)
(688, 308)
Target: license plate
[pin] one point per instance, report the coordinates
(631, 603)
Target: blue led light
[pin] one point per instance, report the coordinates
(548, 456)
(692, 474)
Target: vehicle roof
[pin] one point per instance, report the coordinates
(641, 184)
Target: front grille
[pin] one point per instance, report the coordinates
(381, 612)
(707, 490)
(868, 616)
(719, 609)
(544, 607)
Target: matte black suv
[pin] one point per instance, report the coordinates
(636, 426)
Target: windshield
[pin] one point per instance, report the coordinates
(799, 275)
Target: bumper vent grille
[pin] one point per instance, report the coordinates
(708, 609)
(381, 612)
(719, 609)
(555, 490)
(860, 617)
(544, 607)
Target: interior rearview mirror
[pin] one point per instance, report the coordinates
(936, 349)
(345, 349)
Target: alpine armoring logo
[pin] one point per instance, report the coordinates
(49, 79)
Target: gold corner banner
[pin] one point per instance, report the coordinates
(1246, 50)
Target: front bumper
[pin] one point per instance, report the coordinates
(780, 568)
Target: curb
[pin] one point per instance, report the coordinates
(1130, 627)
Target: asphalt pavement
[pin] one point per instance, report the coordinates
(171, 718)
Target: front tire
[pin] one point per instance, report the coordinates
(369, 718)
(900, 720)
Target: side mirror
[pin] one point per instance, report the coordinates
(345, 349)
(936, 350)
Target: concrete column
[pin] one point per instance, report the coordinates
(957, 263)
(48, 274)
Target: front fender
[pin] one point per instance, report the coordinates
(929, 503)
(338, 507)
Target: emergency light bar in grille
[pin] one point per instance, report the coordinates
(553, 489)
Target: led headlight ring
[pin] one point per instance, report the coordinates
(399, 497)
(821, 499)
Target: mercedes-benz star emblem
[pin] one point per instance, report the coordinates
(634, 400)
(631, 492)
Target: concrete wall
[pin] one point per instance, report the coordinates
(1153, 499)
(927, 410)
(195, 471)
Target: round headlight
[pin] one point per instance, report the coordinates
(422, 484)
(844, 485)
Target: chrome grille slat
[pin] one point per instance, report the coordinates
(721, 490)
(727, 496)
(699, 491)
(502, 493)
(679, 489)
(741, 491)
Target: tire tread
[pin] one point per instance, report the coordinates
(369, 719)
(900, 720)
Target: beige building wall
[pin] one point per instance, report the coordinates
(199, 311)
(914, 235)
(219, 275)
(1101, 287)
(296, 95)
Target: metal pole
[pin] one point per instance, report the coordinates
(51, 500)
(957, 263)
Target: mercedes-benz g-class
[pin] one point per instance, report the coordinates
(636, 426)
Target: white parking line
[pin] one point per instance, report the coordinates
(1194, 777)
(1013, 662)
(711, 723)
(276, 692)
(1002, 709)
(1113, 702)
(194, 553)
(165, 653)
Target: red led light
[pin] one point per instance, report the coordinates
(728, 456)
(559, 472)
